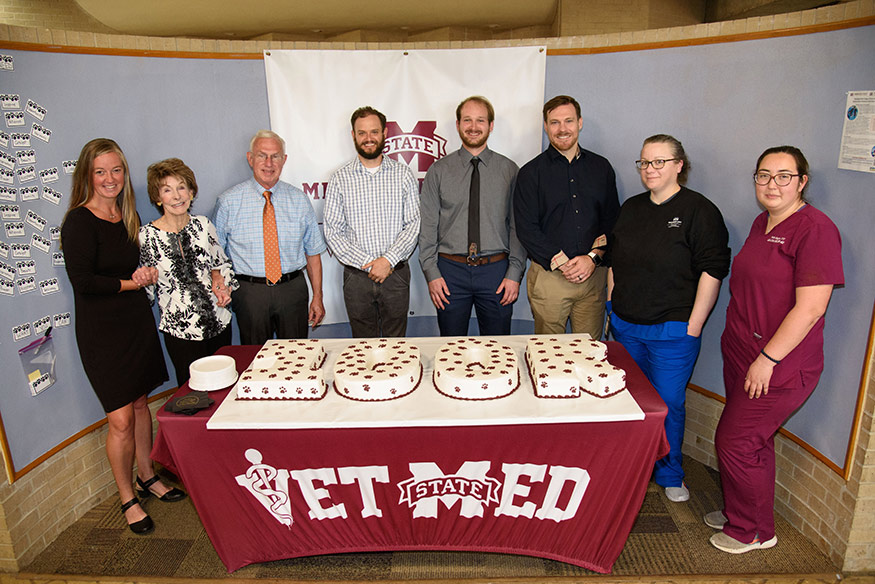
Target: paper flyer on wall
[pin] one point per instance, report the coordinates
(858, 136)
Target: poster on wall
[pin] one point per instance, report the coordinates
(857, 151)
(311, 95)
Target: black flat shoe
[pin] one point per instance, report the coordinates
(143, 526)
(171, 496)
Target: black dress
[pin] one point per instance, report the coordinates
(116, 333)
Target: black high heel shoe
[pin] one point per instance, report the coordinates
(171, 496)
(143, 526)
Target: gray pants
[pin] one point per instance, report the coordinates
(263, 310)
(377, 310)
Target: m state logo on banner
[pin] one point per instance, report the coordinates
(421, 144)
(428, 491)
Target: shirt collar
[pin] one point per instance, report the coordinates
(484, 156)
(555, 154)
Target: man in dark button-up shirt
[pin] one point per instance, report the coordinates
(458, 278)
(565, 204)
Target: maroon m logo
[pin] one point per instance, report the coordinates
(421, 142)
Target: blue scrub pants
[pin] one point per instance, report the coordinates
(666, 354)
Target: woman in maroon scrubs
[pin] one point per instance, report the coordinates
(772, 346)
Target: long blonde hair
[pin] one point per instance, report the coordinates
(83, 187)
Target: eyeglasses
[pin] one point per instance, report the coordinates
(657, 164)
(275, 158)
(782, 179)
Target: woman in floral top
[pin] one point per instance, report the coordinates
(195, 279)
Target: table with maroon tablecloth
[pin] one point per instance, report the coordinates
(563, 491)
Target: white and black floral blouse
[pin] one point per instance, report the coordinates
(184, 289)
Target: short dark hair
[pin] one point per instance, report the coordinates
(490, 111)
(677, 151)
(364, 112)
(801, 162)
(558, 101)
(157, 172)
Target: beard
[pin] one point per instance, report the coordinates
(474, 142)
(371, 155)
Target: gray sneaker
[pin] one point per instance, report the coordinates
(715, 519)
(678, 494)
(730, 545)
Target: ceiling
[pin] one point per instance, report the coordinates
(236, 19)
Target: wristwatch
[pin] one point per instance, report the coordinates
(596, 258)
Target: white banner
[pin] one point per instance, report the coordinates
(312, 95)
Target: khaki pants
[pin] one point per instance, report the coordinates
(554, 300)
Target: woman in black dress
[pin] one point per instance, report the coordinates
(115, 331)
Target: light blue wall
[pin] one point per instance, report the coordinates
(726, 102)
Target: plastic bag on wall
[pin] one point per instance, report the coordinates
(38, 361)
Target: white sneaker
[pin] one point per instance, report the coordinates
(715, 519)
(678, 494)
(730, 545)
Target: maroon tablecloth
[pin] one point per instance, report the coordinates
(567, 492)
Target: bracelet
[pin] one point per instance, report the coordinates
(773, 360)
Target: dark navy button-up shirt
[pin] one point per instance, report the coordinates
(561, 205)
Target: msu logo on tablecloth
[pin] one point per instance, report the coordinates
(469, 484)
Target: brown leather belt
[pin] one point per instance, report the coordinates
(480, 261)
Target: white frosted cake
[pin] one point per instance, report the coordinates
(476, 369)
(564, 369)
(285, 369)
(377, 370)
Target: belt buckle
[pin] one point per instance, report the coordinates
(473, 258)
(272, 284)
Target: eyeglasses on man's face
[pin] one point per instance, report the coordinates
(657, 164)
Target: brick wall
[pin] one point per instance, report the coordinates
(60, 14)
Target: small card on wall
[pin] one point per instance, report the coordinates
(4, 139)
(14, 229)
(10, 101)
(29, 193)
(58, 259)
(20, 250)
(21, 331)
(20, 140)
(61, 319)
(26, 267)
(4, 250)
(69, 166)
(52, 196)
(49, 286)
(41, 132)
(26, 285)
(36, 221)
(7, 63)
(7, 177)
(41, 243)
(54, 233)
(49, 175)
(35, 109)
(7, 271)
(26, 174)
(10, 212)
(14, 119)
(7, 288)
(8, 194)
(7, 161)
(41, 325)
(26, 156)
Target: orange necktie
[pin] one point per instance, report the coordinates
(272, 267)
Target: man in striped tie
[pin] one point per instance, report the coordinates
(268, 228)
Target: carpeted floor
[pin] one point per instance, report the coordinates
(667, 539)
